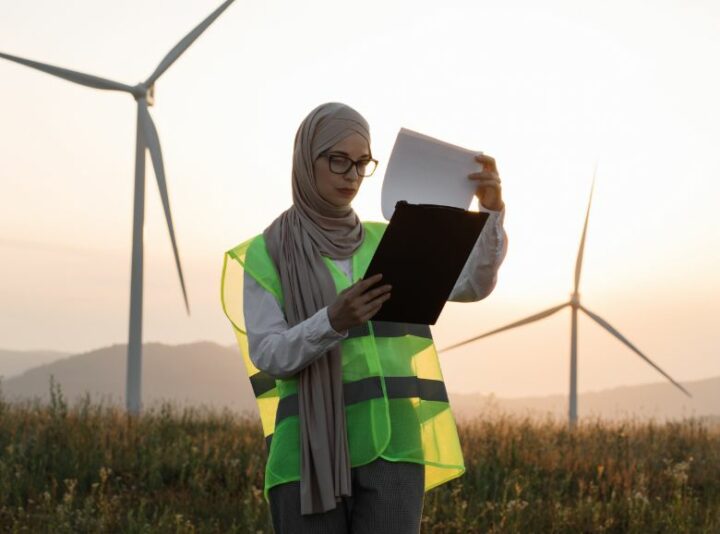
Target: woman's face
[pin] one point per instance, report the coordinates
(339, 189)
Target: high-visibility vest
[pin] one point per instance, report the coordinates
(396, 404)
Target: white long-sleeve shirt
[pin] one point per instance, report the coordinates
(282, 351)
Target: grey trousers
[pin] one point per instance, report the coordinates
(387, 498)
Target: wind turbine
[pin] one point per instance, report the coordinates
(575, 305)
(146, 138)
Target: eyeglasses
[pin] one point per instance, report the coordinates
(341, 164)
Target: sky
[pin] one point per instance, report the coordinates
(549, 89)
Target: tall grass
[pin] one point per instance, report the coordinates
(93, 468)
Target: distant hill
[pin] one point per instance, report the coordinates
(659, 400)
(214, 375)
(14, 362)
(194, 373)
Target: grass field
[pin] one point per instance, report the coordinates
(91, 468)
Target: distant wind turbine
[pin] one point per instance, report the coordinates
(574, 304)
(146, 138)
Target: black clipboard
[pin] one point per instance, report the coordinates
(422, 253)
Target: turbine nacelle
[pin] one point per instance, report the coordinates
(143, 91)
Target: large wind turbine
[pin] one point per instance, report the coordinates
(146, 138)
(575, 305)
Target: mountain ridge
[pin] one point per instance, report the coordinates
(210, 374)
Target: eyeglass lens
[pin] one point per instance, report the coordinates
(341, 165)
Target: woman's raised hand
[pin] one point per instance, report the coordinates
(356, 304)
(488, 188)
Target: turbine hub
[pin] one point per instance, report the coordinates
(143, 91)
(575, 300)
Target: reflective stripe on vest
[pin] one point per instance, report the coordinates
(397, 387)
(262, 382)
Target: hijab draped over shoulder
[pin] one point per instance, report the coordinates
(311, 228)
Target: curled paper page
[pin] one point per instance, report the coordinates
(424, 170)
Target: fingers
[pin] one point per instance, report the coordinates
(487, 161)
(373, 307)
(371, 298)
(488, 183)
(361, 302)
(377, 301)
(488, 170)
(362, 285)
(485, 175)
(372, 294)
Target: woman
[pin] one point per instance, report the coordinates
(354, 411)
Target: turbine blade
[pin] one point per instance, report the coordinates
(521, 322)
(183, 45)
(581, 251)
(71, 75)
(602, 322)
(153, 143)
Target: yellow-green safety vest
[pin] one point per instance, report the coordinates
(396, 404)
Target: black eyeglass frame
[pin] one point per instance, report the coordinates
(326, 154)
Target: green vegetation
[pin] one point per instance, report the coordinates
(92, 468)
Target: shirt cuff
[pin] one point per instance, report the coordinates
(327, 328)
(488, 210)
(496, 220)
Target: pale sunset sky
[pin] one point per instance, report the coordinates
(547, 88)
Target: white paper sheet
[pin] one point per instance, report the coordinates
(425, 170)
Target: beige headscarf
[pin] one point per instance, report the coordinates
(296, 240)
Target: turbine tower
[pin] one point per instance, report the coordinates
(146, 138)
(575, 305)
